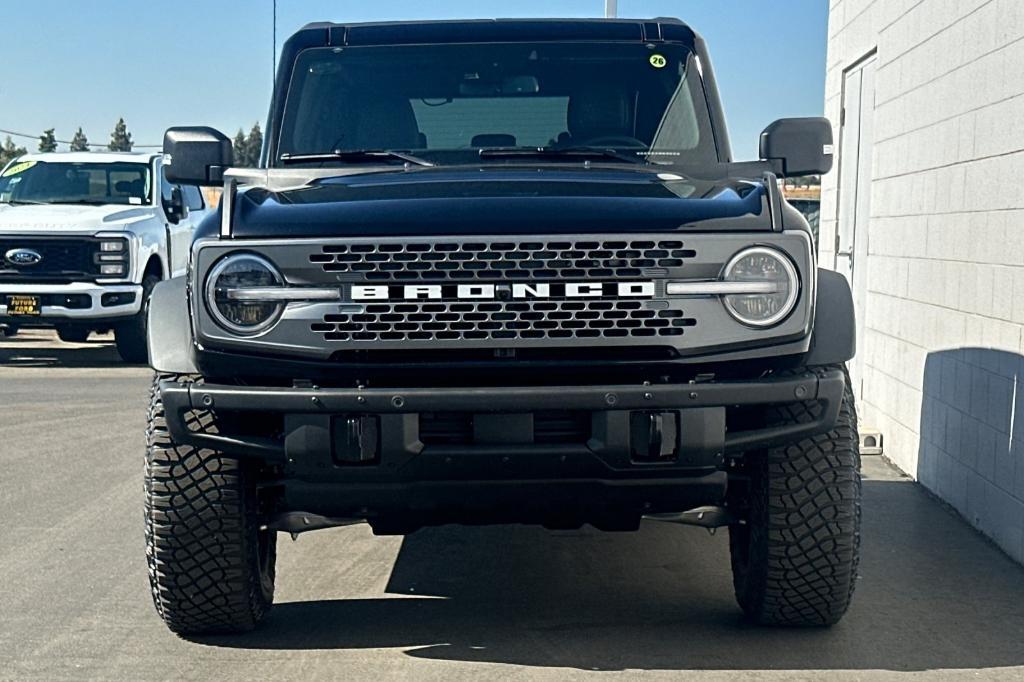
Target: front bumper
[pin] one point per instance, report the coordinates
(88, 297)
(500, 463)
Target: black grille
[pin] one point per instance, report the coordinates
(501, 260)
(497, 320)
(73, 301)
(62, 259)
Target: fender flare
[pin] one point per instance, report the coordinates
(169, 329)
(834, 336)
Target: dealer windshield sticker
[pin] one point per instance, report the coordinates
(658, 61)
(17, 168)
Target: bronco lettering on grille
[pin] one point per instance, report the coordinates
(540, 290)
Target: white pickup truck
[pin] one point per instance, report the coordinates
(84, 238)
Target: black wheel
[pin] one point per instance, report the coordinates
(211, 566)
(69, 334)
(795, 560)
(130, 336)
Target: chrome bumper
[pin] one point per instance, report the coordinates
(95, 311)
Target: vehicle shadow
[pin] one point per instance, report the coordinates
(933, 594)
(971, 451)
(41, 348)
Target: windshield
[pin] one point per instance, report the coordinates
(47, 182)
(443, 102)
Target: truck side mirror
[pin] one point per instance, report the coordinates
(196, 155)
(798, 146)
(176, 209)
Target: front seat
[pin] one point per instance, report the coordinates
(593, 114)
(385, 122)
(131, 188)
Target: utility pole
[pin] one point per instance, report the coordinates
(610, 8)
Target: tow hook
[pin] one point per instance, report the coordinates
(294, 523)
(706, 517)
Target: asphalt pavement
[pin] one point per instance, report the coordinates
(934, 598)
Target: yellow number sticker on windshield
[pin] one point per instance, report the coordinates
(658, 61)
(17, 168)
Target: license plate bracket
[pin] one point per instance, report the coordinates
(20, 305)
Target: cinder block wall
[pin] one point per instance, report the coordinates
(943, 347)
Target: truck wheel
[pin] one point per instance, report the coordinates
(130, 336)
(72, 334)
(795, 560)
(211, 566)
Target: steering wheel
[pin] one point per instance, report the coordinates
(614, 141)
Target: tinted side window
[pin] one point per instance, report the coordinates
(193, 197)
(190, 193)
(165, 188)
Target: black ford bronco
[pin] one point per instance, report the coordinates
(500, 272)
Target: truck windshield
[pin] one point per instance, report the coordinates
(447, 102)
(47, 182)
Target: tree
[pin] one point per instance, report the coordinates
(79, 143)
(9, 151)
(47, 141)
(120, 139)
(241, 150)
(253, 145)
(247, 147)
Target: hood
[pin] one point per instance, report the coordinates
(492, 200)
(58, 218)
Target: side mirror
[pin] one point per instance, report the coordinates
(196, 155)
(798, 146)
(176, 209)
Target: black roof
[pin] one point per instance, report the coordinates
(495, 30)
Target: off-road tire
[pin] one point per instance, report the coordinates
(69, 334)
(130, 336)
(795, 560)
(211, 567)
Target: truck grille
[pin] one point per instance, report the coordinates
(63, 260)
(497, 320)
(500, 260)
(421, 299)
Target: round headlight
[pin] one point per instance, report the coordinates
(232, 275)
(773, 282)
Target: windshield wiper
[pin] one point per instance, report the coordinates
(559, 153)
(25, 202)
(354, 156)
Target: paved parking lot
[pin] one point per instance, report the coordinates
(451, 602)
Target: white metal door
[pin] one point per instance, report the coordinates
(854, 205)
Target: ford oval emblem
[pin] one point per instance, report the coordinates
(23, 257)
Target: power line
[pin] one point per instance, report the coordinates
(13, 133)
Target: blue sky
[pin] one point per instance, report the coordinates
(209, 61)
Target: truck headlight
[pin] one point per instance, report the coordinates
(112, 258)
(238, 272)
(772, 272)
